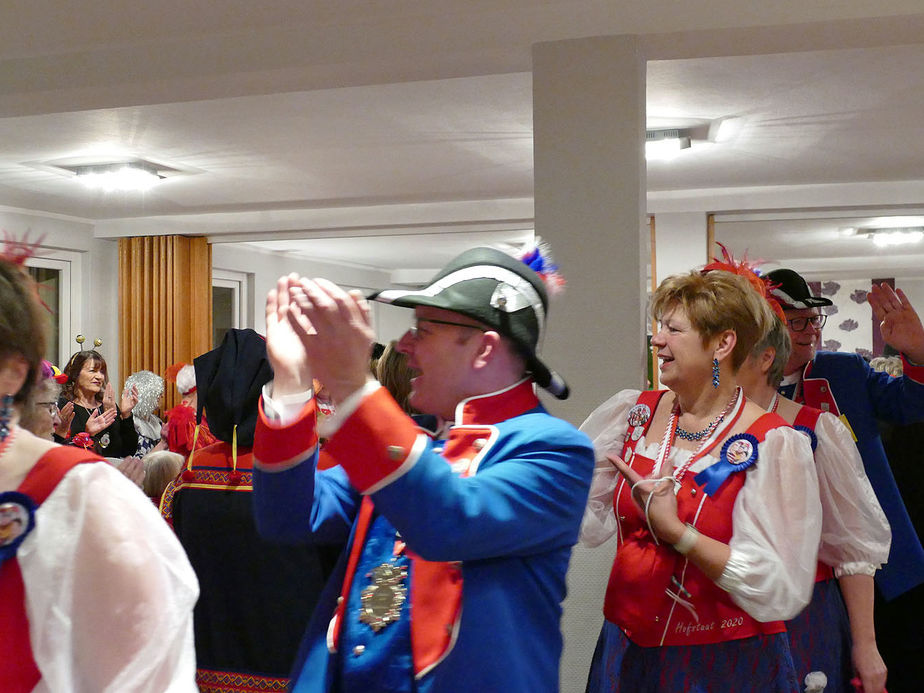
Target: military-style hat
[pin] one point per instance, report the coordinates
(498, 290)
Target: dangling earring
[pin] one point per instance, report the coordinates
(715, 373)
(6, 415)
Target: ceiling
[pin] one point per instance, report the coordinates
(393, 134)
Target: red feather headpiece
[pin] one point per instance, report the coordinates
(749, 269)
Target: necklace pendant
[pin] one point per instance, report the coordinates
(382, 598)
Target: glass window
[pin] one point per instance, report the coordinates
(49, 287)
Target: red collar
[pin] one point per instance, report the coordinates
(494, 407)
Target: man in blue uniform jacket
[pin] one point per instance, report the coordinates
(454, 573)
(845, 385)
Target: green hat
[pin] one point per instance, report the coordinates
(495, 289)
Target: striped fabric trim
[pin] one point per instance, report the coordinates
(210, 681)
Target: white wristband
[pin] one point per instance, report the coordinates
(687, 540)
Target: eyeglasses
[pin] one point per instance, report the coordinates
(801, 324)
(415, 328)
(50, 407)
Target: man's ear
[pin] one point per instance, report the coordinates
(487, 349)
(725, 344)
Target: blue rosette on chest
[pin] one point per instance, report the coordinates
(17, 518)
(738, 453)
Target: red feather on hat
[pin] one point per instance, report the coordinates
(749, 269)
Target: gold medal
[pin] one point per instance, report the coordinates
(382, 598)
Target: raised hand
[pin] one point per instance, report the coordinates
(129, 400)
(336, 332)
(108, 397)
(65, 417)
(100, 421)
(284, 347)
(898, 321)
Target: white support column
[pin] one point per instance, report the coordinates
(588, 125)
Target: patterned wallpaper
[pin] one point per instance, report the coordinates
(850, 323)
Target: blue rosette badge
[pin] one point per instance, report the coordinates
(17, 518)
(738, 453)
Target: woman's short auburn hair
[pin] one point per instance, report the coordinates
(716, 301)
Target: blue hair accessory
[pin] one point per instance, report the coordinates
(538, 257)
(17, 519)
(810, 433)
(738, 453)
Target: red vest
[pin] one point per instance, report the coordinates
(636, 596)
(18, 670)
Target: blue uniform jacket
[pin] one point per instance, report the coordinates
(844, 384)
(500, 502)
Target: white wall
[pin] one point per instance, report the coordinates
(265, 268)
(94, 262)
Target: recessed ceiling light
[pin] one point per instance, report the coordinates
(888, 237)
(118, 176)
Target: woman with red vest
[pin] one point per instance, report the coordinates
(96, 594)
(835, 634)
(713, 502)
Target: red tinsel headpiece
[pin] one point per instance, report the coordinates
(749, 269)
(16, 251)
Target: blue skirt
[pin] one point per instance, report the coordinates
(761, 663)
(819, 638)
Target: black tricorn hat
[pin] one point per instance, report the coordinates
(792, 291)
(229, 380)
(495, 289)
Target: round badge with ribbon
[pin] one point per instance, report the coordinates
(738, 453)
(810, 433)
(17, 519)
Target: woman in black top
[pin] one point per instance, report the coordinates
(88, 395)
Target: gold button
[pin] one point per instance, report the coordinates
(692, 491)
(395, 452)
(339, 600)
(657, 619)
(359, 649)
(479, 443)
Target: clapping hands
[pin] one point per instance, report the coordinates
(99, 420)
(316, 328)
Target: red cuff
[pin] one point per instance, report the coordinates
(377, 444)
(280, 446)
(915, 372)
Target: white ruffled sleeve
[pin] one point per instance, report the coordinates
(109, 590)
(777, 525)
(855, 534)
(606, 426)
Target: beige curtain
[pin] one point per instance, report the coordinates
(165, 304)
